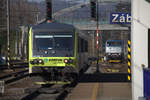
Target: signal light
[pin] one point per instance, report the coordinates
(49, 9)
(48, 21)
(93, 9)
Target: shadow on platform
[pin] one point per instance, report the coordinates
(101, 77)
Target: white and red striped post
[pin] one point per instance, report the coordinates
(97, 36)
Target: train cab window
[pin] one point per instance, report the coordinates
(149, 48)
(43, 41)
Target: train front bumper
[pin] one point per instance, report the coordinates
(115, 56)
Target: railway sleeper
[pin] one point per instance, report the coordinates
(54, 76)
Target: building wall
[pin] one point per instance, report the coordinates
(139, 40)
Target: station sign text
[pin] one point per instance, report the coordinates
(120, 18)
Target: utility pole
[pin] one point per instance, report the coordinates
(8, 34)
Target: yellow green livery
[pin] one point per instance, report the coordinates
(57, 52)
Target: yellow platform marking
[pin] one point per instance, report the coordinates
(95, 91)
(109, 70)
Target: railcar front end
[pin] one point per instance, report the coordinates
(53, 53)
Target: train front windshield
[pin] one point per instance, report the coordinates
(114, 43)
(58, 45)
(43, 42)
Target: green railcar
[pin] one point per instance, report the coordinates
(57, 52)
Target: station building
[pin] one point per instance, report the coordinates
(140, 48)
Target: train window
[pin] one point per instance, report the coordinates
(149, 48)
(79, 44)
(82, 45)
(63, 42)
(43, 41)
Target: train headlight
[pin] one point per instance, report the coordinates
(35, 61)
(31, 62)
(41, 61)
(70, 61)
(65, 60)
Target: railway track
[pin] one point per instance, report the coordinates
(14, 65)
(32, 92)
(55, 92)
(15, 73)
(17, 77)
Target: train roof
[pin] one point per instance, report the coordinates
(114, 40)
(54, 26)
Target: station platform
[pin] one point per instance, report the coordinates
(105, 85)
(101, 91)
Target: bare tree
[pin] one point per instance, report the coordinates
(22, 13)
(2, 15)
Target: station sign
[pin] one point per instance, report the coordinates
(120, 18)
